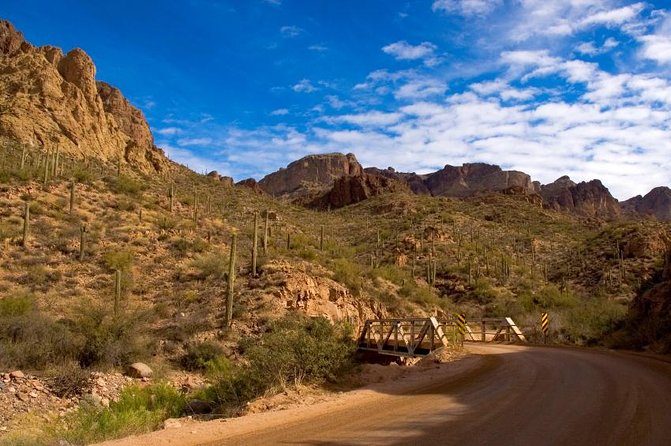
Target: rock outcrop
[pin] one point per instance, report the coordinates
(470, 179)
(353, 189)
(651, 311)
(587, 199)
(52, 101)
(311, 172)
(657, 203)
(415, 182)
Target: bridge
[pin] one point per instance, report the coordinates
(413, 337)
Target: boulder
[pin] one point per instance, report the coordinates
(139, 370)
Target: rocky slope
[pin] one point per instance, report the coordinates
(587, 199)
(657, 203)
(52, 101)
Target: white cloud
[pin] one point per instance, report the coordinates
(402, 50)
(318, 48)
(467, 7)
(612, 17)
(369, 119)
(280, 112)
(304, 86)
(291, 31)
(592, 49)
(657, 46)
(168, 131)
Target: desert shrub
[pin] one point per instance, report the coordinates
(68, 380)
(125, 185)
(483, 292)
(184, 246)
(29, 339)
(212, 265)
(121, 259)
(138, 410)
(589, 321)
(294, 350)
(198, 356)
(166, 223)
(548, 297)
(83, 175)
(349, 274)
(124, 204)
(106, 340)
(393, 274)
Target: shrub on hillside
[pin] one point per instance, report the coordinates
(198, 356)
(29, 339)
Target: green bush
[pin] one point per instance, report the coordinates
(212, 265)
(349, 274)
(125, 185)
(137, 411)
(121, 259)
(294, 350)
(198, 356)
(589, 321)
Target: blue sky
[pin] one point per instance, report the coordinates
(577, 87)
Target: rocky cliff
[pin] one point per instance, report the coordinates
(415, 182)
(348, 190)
(588, 199)
(52, 101)
(311, 172)
(657, 203)
(469, 179)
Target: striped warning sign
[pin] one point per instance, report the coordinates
(461, 323)
(545, 323)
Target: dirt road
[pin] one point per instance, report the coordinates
(504, 395)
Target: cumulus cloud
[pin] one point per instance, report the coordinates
(402, 50)
(657, 46)
(304, 86)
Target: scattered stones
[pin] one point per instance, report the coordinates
(17, 374)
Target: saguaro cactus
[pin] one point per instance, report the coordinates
(171, 195)
(72, 195)
(321, 238)
(228, 316)
(26, 224)
(82, 241)
(255, 243)
(265, 233)
(117, 291)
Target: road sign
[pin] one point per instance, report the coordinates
(545, 323)
(461, 323)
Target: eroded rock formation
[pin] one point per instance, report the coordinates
(52, 101)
